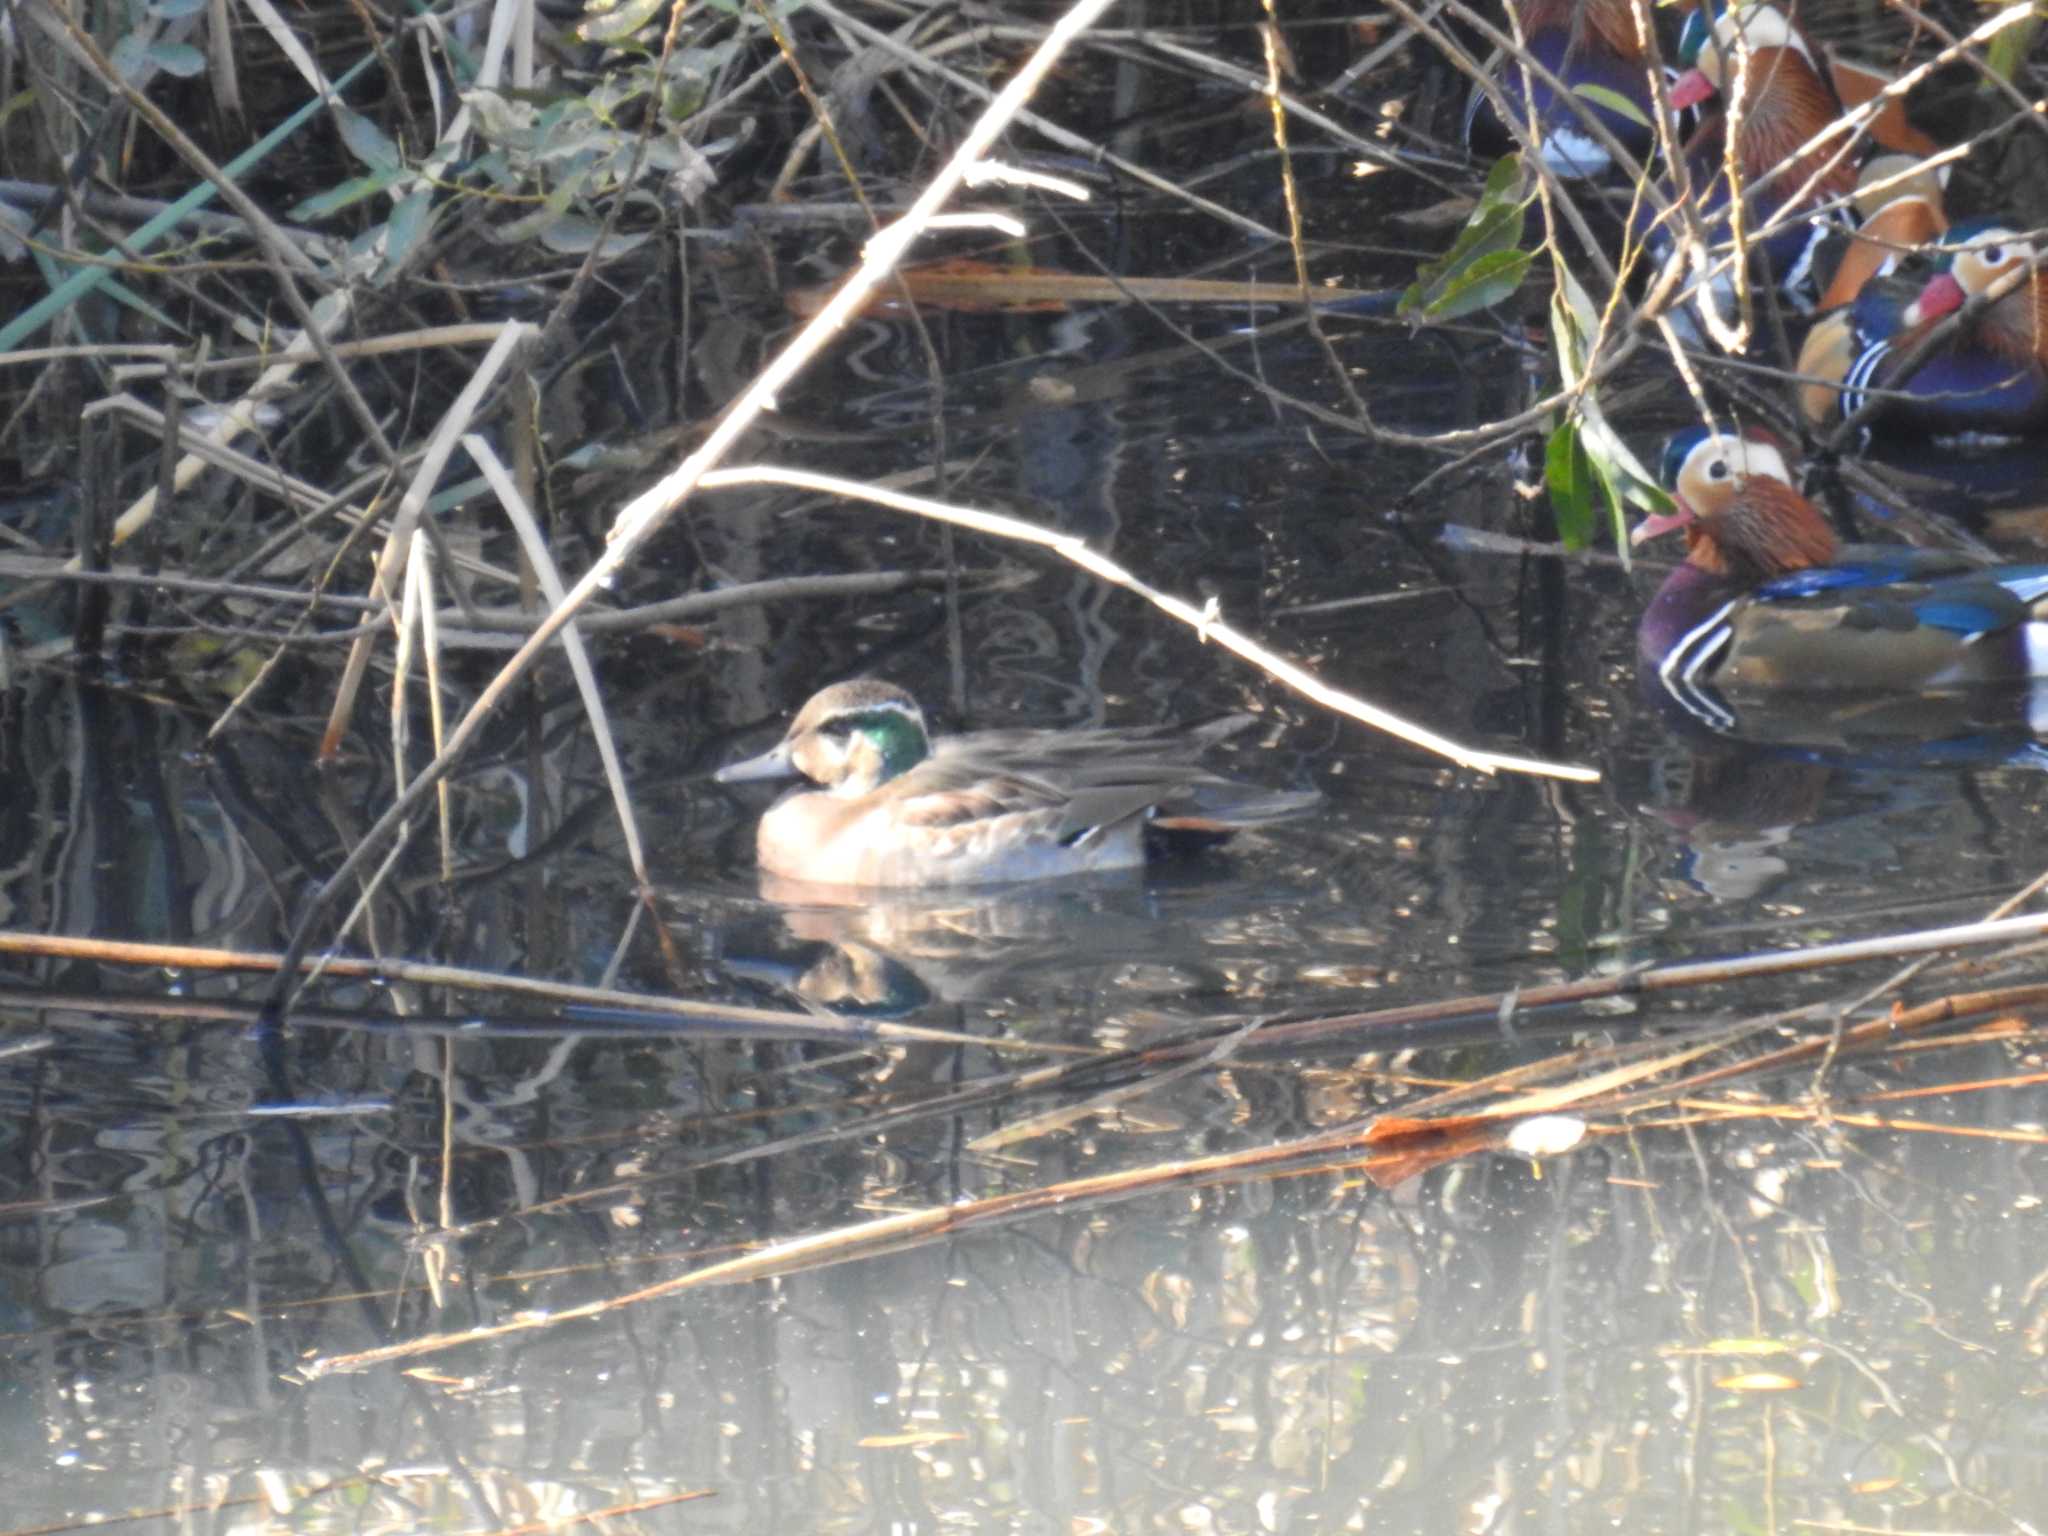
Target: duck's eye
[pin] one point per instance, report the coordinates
(1717, 469)
(1992, 255)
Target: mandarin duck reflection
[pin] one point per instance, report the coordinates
(1584, 43)
(894, 808)
(1764, 599)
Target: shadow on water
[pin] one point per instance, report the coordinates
(1716, 1318)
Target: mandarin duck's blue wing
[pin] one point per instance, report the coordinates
(1918, 589)
(1985, 604)
(1863, 567)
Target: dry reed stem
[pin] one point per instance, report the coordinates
(330, 313)
(549, 576)
(1065, 138)
(1392, 1144)
(1204, 621)
(1669, 978)
(187, 957)
(390, 568)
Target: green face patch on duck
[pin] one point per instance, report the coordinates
(896, 738)
(1692, 37)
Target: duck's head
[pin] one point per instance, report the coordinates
(1976, 256)
(1712, 37)
(1741, 516)
(849, 738)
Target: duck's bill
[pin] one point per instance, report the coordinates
(1660, 523)
(1692, 88)
(772, 764)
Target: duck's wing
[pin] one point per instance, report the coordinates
(1916, 588)
(960, 797)
(1056, 752)
(1892, 634)
(1098, 780)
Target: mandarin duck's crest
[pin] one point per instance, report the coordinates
(1713, 39)
(1982, 256)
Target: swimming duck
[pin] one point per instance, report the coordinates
(1788, 96)
(895, 808)
(1763, 598)
(1900, 205)
(1583, 43)
(1990, 374)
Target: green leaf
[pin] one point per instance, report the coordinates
(1568, 474)
(1504, 181)
(366, 141)
(179, 59)
(1614, 102)
(2009, 48)
(1574, 324)
(409, 221)
(346, 195)
(1477, 285)
(130, 58)
(1484, 264)
(616, 23)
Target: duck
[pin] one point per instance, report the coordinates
(1584, 43)
(1767, 598)
(1788, 95)
(888, 806)
(1987, 376)
(1901, 208)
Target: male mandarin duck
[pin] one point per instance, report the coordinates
(1583, 43)
(1901, 208)
(1787, 97)
(895, 808)
(1763, 599)
(1987, 374)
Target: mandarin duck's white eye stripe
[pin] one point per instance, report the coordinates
(1763, 459)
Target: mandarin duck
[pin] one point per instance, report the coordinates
(1583, 43)
(1766, 599)
(1787, 96)
(891, 807)
(1901, 210)
(1987, 374)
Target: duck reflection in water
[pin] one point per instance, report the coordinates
(1739, 789)
(1141, 936)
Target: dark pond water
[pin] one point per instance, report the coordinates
(1754, 1310)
